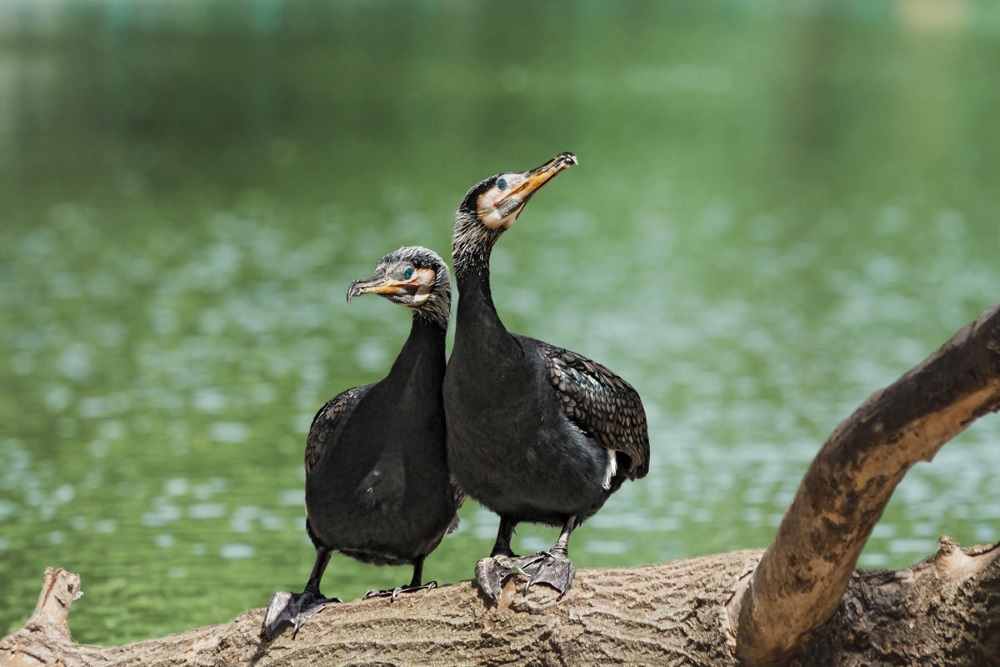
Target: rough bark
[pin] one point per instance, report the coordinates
(803, 574)
(942, 611)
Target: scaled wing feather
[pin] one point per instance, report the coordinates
(330, 419)
(600, 403)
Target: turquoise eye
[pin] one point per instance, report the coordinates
(408, 273)
(502, 183)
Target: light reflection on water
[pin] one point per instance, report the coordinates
(173, 289)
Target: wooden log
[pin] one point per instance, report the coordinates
(942, 611)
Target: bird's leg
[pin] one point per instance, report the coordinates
(294, 609)
(504, 535)
(492, 572)
(414, 585)
(319, 567)
(553, 567)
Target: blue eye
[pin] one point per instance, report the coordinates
(502, 183)
(408, 273)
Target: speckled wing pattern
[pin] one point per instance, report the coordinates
(600, 403)
(330, 418)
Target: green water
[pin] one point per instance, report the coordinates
(778, 210)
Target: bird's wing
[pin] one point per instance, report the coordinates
(330, 418)
(600, 403)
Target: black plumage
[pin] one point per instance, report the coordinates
(535, 432)
(377, 482)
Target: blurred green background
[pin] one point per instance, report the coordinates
(780, 208)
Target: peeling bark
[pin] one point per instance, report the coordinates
(943, 611)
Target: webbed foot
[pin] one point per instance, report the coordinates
(292, 609)
(550, 567)
(493, 572)
(392, 593)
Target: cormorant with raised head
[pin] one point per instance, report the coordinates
(377, 481)
(535, 432)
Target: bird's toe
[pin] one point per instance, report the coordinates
(291, 609)
(552, 568)
(393, 593)
(492, 572)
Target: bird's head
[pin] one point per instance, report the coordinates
(492, 205)
(496, 202)
(412, 276)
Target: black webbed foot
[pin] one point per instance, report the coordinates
(493, 572)
(392, 593)
(292, 609)
(550, 567)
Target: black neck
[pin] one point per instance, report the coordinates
(471, 247)
(475, 301)
(423, 351)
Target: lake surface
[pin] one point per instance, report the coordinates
(778, 210)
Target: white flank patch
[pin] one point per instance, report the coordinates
(610, 471)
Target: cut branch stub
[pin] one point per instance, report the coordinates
(60, 588)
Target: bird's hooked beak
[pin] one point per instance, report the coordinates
(538, 177)
(379, 284)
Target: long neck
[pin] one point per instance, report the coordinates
(476, 310)
(471, 247)
(423, 353)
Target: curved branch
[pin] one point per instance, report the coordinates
(802, 576)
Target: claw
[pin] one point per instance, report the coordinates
(294, 609)
(492, 572)
(545, 567)
(392, 593)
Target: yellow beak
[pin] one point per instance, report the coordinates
(538, 177)
(377, 285)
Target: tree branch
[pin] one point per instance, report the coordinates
(941, 612)
(802, 576)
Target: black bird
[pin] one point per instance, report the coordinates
(535, 432)
(377, 481)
